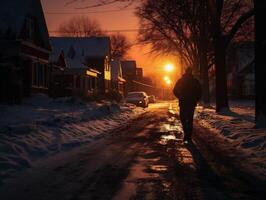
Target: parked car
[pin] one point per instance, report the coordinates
(138, 98)
(152, 99)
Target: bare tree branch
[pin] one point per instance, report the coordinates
(238, 24)
(80, 26)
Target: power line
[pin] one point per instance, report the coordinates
(84, 13)
(107, 31)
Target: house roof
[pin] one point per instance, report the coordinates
(77, 49)
(13, 13)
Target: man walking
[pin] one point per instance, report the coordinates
(188, 90)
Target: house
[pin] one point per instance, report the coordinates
(58, 86)
(118, 82)
(71, 75)
(129, 70)
(240, 74)
(24, 48)
(247, 80)
(139, 74)
(88, 52)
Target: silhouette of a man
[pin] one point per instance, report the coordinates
(188, 90)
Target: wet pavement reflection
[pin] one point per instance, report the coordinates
(146, 159)
(151, 176)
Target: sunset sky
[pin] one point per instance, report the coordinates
(111, 17)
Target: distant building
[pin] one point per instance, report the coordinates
(139, 74)
(241, 76)
(129, 68)
(25, 45)
(70, 77)
(118, 82)
(87, 60)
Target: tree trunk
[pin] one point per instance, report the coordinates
(260, 63)
(221, 78)
(205, 84)
(203, 43)
(204, 74)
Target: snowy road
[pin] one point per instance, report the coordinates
(143, 160)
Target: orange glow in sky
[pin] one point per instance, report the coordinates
(111, 17)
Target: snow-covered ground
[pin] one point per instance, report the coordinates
(237, 128)
(41, 126)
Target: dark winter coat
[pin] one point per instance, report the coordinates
(188, 90)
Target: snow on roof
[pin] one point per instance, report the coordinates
(13, 13)
(77, 49)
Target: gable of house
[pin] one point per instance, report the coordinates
(17, 15)
(78, 49)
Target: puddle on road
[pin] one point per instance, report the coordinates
(168, 137)
(138, 175)
(158, 168)
(165, 139)
(185, 158)
(172, 125)
(166, 186)
(172, 130)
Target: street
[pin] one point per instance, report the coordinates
(145, 159)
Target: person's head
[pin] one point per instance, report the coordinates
(188, 71)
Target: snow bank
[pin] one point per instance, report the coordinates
(41, 126)
(238, 129)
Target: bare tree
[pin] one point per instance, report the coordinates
(161, 27)
(227, 17)
(119, 45)
(80, 26)
(92, 4)
(179, 27)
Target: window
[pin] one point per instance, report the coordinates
(106, 64)
(39, 75)
(30, 28)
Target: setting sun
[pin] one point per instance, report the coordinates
(168, 82)
(169, 67)
(166, 78)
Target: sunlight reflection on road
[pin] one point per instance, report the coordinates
(149, 173)
(166, 138)
(173, 132)
(159, 168)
